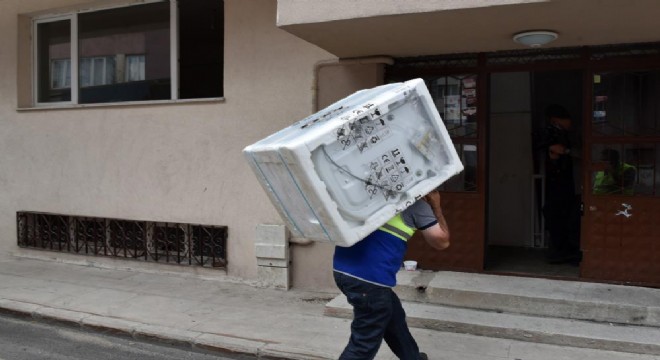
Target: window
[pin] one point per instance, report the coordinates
(53, 48)
(60, 74)
(466, 181)
(625, 160)
(126, 53)
(183, 244)
(625, 104)
(455, 98)
(625, 169)
(134, 68)
(96, 71)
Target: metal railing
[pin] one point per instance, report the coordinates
(184, 244)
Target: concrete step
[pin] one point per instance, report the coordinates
(574, 300)
(565, 332)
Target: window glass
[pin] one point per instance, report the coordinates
(626, 103)
(641, 159)
(96, 71)
(60, 74)
(134, 68)
(124, 54)
(112, 37)
(466, 180)
(644, 176)
(53, 61)
(624, 169)
(455, 98)
(201, 54)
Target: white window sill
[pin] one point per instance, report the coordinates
(43, 107)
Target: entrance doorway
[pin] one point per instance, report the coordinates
(494, 207)
(516, 237)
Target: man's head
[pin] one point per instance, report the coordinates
(558, 115)
(611, 156)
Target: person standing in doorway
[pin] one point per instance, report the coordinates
(562, 207)
(366, 273)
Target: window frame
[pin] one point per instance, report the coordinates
(73, 23)
(72, 17)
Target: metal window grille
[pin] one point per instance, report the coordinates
(184, 244)
(629, 50)
(525, 57)
(442, 61)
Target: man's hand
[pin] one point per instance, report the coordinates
(554, 151)
(433, 198)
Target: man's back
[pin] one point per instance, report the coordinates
(378, 257)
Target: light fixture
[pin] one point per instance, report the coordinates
(535, 38)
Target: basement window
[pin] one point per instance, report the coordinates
(172, 243)
(158, 50)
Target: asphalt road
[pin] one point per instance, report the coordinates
(26, 339)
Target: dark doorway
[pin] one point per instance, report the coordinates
(516, 240)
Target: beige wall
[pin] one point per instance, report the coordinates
(349, 28)
(172, 162)
(312, 263)
(304, 11)
(340, 79)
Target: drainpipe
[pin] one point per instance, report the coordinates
(315, 95)
(342, 62)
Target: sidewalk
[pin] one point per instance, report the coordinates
(224, 315)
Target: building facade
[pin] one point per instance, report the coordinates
(123, 123)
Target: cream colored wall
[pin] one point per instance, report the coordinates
(312, 263)
(349, 28)
(173, 162)
(303, 11)
(339, 80)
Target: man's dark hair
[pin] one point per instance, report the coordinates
(557, 111)
(611, 155)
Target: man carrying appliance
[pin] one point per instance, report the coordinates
(366, 274)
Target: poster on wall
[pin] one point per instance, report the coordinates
(452, 109)
(469, 101)
(600, 115)
(469, 95)
(469, 83)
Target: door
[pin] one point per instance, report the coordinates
(516, 238)
(459, 101)
(510, 161)
(621, 222)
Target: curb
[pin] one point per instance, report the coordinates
(193, 340)
(624, 339)
(567, 303)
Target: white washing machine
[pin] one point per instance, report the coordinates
(341, 173)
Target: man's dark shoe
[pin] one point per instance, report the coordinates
(423, 356)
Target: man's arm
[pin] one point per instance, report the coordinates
(550, 141)
(437, 235)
